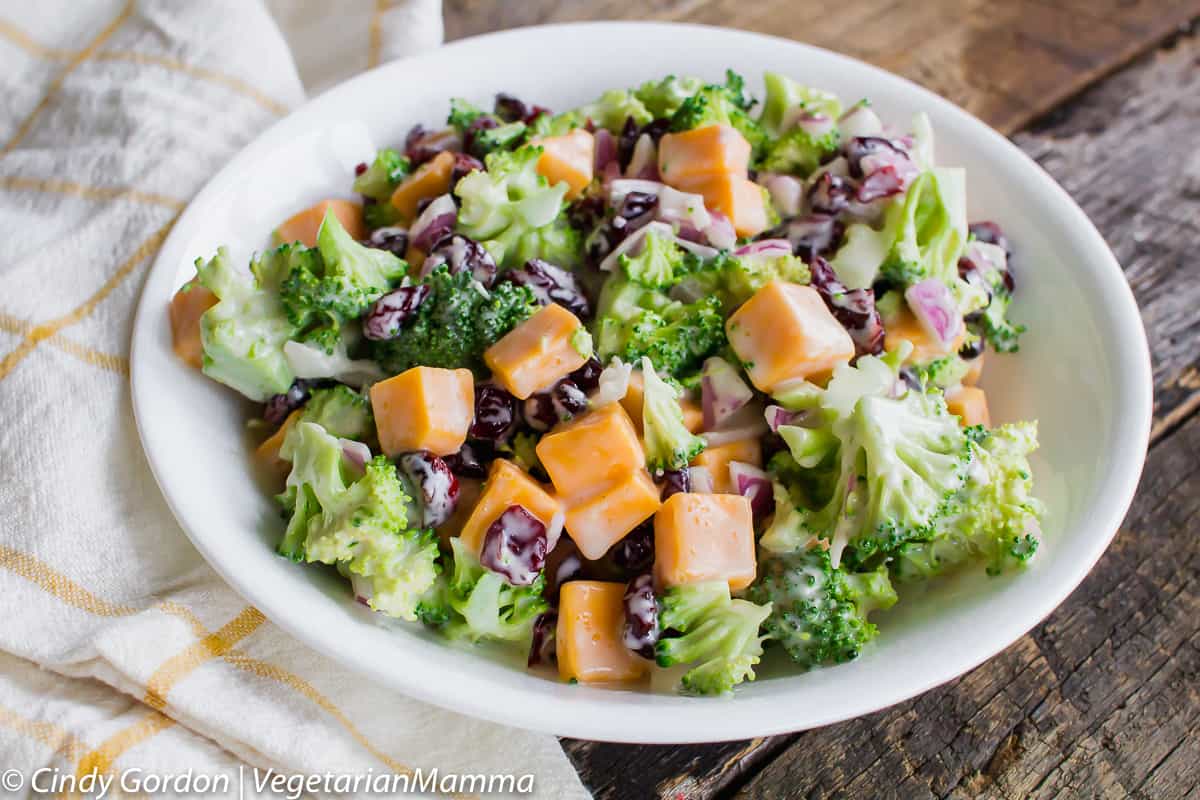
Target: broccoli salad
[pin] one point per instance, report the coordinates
(664, 381)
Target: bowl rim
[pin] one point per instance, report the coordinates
(523, 706)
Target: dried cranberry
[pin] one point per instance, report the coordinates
(464, 164)
(626, 141)
(509, 108)
(569, 400)
(388, 314)
(676, 481)
(635, 211)
(422, 144)
(392, 239)
(515, 546)
(360, 168)
(883, 182)
(854, 309)
(635, 552)
(470, 135)
(972, 349)
(640, 630)
(539, 411)
(859, 147)
(551, 284)
(277, 407)
(460, 253)
(587, 377)
(542, 645)
(830, 194)
(470, 461)
(495, 413)
(656, 128)
(434, 483)
(991, 233)
(811, 236)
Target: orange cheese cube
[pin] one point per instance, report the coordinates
(303, 227)
(185, 310)
(424, 408)
(785, 332)
(735, 196)
(591, 452)
(926, 346)
(506, 485)
(702, 153)
(969, 403)
(536, 353)
(704, 537)
(431, 179)
(568, 158)
(591, 615)
(267, 453)
(717, 460)
(974, 370)
(602, 520)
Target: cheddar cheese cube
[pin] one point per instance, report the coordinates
(926, 346)
(704, 537)
(431, 179)
(588, 640)
(601, 520)
(570, 158)
(303, 227)
(735, 196)
(506, 485)
(536, 353)
(632, 402)
(785, 332)
(424, 408)
(717, 460)
(591, 452)
(969, 404)
(267, 453)
(974, 371)
(185, 310)
(702, 153)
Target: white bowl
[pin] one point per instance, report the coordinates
(1083, 372)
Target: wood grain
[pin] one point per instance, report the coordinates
(1006, 62)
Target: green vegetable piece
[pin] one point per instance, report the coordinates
(669, 445)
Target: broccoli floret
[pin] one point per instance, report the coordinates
(558, 243)
(927, 230)
(462, 114)
(359, 526)
(455, 323)
(335, 283)
(721, 104)
(341, 411)
(612, 108)
(720, 633)
(993, 518)
(244, 333)
(663, 98)
(943, 372)
(818, 612)
(900, 461)
(668, 443)
(745, 275)
(632, 322)
(477, 603)
(383, 176)
(658, 264)
(785, 94)
(799, 152)
(507, 201)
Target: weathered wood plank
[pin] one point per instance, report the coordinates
(1006, 62)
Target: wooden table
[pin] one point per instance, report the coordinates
(1100, 700)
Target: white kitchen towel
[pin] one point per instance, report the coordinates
(121, 651)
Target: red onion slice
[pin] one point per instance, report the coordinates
(606, 149)
(720, 233)
(634, 240)
(933, 305)
(356, 453)
(723, 393)
(754, 484)
(643, 164)
(765, 247)
(702, 480)
(787, 192)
